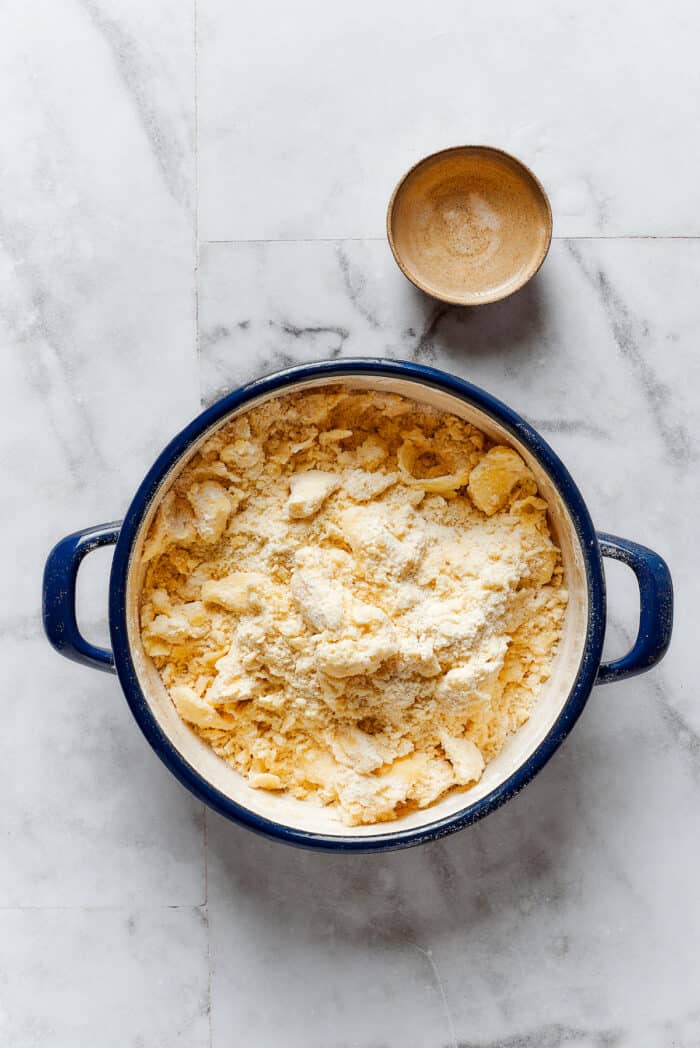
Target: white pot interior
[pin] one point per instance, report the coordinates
(305, 815)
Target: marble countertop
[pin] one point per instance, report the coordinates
(192, 194)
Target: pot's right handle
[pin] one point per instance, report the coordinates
(655, 608)
(60, 575)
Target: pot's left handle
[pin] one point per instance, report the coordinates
(60, 576)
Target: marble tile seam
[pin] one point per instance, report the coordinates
(359, 240)
(197, 241)
(122, 908)
(205, 912)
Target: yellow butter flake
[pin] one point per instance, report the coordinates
(212, 508)
(308, 491)
(240, 591)
(265, 780)
(494, 478)
(464, 756)
(196, 710)
(334, 436)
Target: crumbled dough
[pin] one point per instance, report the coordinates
(354, 598)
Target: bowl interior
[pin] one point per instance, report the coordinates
(304, 815)
(469, 225)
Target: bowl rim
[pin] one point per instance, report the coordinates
(473, 300)
(332, 370)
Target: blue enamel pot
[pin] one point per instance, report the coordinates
(576, 669)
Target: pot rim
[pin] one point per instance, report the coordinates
(277, 383)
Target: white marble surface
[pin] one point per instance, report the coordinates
(542, 925)
(152, 159)
(312, 111)
(109, 977)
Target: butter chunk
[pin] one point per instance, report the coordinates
(308, 491)
(334, 436)
(174, 525)
(232, 683)
(239, 591)
(362, 486)
(441, 484)
(184, 622)
(196, 710)
(357, 750)
(494, 478)
(464, 756)
(426, 777)
(245, 455)
(212, 508)
(262, 780)
(371, 452)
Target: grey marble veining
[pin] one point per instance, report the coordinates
(96, 257)
(97, 368)
(138, 141)
(540, 925)
(307, 130)
(121, 979)
(90, 817)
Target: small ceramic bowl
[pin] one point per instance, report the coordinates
(469, 225)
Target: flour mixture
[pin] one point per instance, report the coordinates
(353, 597)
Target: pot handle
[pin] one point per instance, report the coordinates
(655, 608)
(60, 576)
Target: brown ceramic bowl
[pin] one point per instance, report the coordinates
(469, 225)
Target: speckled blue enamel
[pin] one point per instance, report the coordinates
(656, 597)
